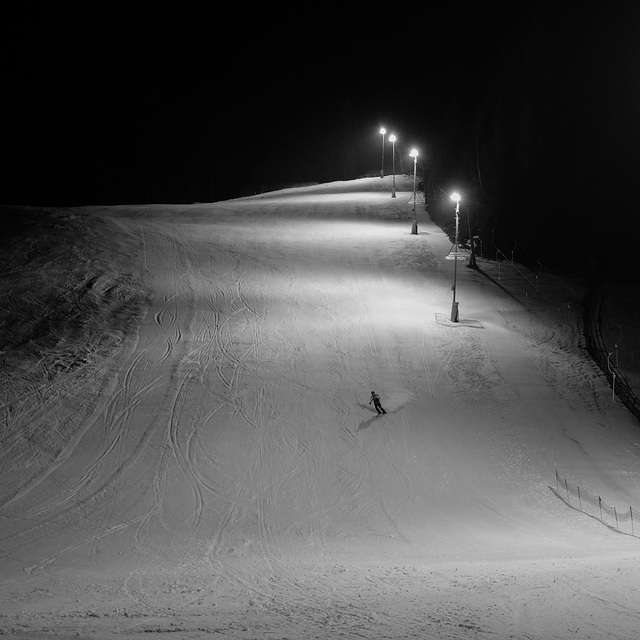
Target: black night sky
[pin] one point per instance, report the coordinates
(532, 111)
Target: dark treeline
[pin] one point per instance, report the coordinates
(545, 159)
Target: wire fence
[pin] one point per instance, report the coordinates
(595, 506)
(592, 321)
(596, 348)
(537, 288)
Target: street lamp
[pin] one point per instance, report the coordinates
(382, 132)
(414, 155)
(392, 139)
(454, 306)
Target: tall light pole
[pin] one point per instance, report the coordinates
(454, 306)
(392, 139)
(414, 155)
(382, 132)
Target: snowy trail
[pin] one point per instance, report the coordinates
(233, 470)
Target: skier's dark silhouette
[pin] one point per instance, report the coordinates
(375, 398)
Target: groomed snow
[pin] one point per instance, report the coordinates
(188, 448)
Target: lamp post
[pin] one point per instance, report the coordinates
(392, 139)
(454, 306)
(414, 155)
(382, 132)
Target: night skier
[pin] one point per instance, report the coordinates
(375, 398)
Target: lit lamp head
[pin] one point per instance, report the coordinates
(456, 198)
(414, 154)
(382, 130)
(392, 138)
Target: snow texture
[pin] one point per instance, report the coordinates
(188, 448)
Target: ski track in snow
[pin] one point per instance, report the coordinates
(220, 472)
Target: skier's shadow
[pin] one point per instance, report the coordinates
(367, 423)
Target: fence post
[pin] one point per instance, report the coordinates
(557, 482)
(600, 505)
(579, 499)
(566, 488)
(633, 533)
(615, 513)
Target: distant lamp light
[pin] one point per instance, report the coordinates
(414, 154)
(393, 139)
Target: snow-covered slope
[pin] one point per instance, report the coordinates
(211, 465)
